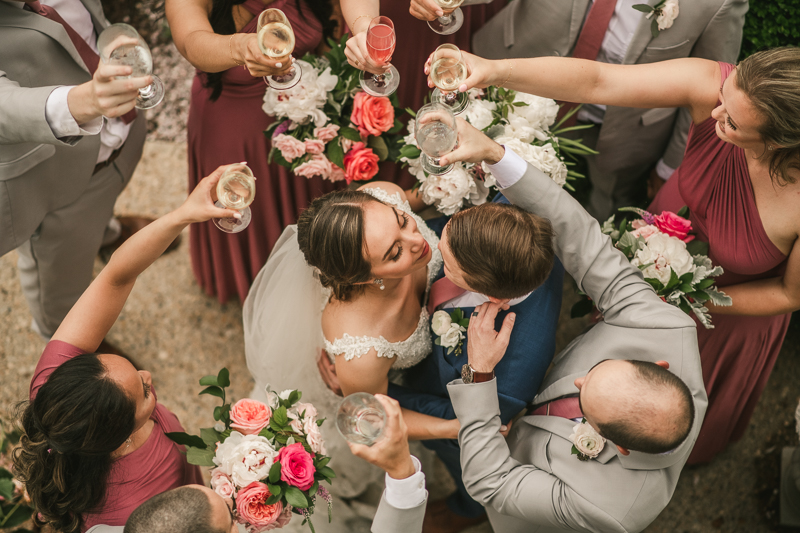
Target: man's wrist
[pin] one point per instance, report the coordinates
(496, 154)
(404, 470)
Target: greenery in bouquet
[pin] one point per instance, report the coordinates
(523, 123)
(16, 507)
(328, 126)
(268, 459)
(671, 260)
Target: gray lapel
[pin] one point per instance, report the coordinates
(579, 8)
(558, 388)
(641, 38)
(563, 428)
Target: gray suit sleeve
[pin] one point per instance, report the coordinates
(23, 112)
(511, 488)
(601, 271)
(721, 40)
(106, 529)
(390, 519)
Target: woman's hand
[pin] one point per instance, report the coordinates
(480, 72)
(358, 56)
(426, 10)
(245, 50)
(199, 206)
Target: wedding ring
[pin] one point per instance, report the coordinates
(474, 313)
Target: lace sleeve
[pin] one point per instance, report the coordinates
(353, 347)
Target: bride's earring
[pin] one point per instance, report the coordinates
(379, 281)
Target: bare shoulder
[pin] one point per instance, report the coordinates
(389, 187)
(353, 318)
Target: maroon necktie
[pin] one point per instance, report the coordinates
(442, 291)
(90, 58)
(564, 407)
(589, 42)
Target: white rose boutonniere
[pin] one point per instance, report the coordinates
(663, 14)
(450, 328)
(586, 442)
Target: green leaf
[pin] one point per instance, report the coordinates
(350, 133)
(275, 472)
(683, 212)
(267, 434)
(218, 413)
(410, 151)
(322, 462)
(273, 499)
(687, 278)
(274, 489)
(581, 308)
(700, 296)
(335, 153)
(210, 436)
(5, 474)
(378, 146)
(200, 457)
(327, 472)
(296, 498)
(209, 380)
(213, 391)
(657, 285)
(294, 397)
(396, 128)
(685, 288)
(654, 27)
(313, 490)
(7, 488)
(19, 516)
(704, 284)
(224, 378)
(644, 8)
(280, 416)
(697, 247)
(185, 439)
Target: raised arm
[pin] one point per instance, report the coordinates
(357, 15)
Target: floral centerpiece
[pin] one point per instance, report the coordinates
(327, 126)
(670, 258)
(268, 459)
(520, 121)
(16, 507)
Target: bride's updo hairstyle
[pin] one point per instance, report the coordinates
(331, 236)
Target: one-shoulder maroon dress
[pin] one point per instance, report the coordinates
(739, 353)
(230, 130)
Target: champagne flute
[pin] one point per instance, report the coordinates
(436, 133)
(276, 41)
(450, 22)
(448, 72)
(121, 44)
(236, 189)
(380, 45)
(361, 419)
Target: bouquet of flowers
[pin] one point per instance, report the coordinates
(327, 126)
(671, 260)
(269, 459)
(520, 121)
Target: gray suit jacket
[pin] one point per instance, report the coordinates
(38, 172)
(631, 139)
(532, 482)
(390, 519)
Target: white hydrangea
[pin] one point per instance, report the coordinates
(245, 458)
(302, 103)
(447, 191)
(663, 254)
(544, 158)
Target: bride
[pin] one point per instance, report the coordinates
(350, 282)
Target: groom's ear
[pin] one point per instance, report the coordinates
(498, 300)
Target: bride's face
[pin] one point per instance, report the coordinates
(394, 246)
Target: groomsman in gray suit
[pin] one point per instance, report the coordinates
(635, 421)
(70, 140)
(633, 144)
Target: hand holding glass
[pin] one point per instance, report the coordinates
(120, 44)
(436, 133)
(450, 22)
(448, 72)
(380, 45)
(276, 41)
(236, 189)
(361, 419)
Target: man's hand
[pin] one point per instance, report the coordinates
(247, 51)
(486, 347)
(327, 371)
(390, 452)
(426, 9)
(105, 95)
(473, 146)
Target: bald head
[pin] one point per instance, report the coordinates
(187, 509)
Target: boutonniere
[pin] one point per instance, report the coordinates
(663, 14)
(450, 328)
(586, 442)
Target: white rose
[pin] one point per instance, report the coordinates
(587, 440)
(410, 138)
(479, 113)
(669, 12)
(452, 336)
(245, 458)
(666, 254)
(440, 322)
(542, 157)
(540, 113)
(315, 440)
(449, 190)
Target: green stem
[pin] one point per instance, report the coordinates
(10, 513)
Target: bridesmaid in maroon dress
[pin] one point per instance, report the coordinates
(226, 125)
(740, 178)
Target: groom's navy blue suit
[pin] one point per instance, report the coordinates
(519, 373)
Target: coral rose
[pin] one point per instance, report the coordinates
(249, 417)
(252, 507)
(372, 115)
(671, 224)
(297, 466)
(289, 147)
(360, 163)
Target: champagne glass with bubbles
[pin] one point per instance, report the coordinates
(450, 22)
(448, 72)
(276, 41)
(436, 133)
(236, 189)
(380, 45)
(361, 419)
(121, 44)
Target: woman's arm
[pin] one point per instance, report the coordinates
(357, 16)
(95, 312)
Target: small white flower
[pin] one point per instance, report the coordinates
(245, 458)
(440, 322)
(667, 14)
(452, 336)
(586, 440)
(219, 427)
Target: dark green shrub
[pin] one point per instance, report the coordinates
(771, 23)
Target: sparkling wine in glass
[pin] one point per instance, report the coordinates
(436, 133)
(448, 72)
(450, 22)
(236, 189)
(276, 41)
(121, 44)
(361, 418)
(380, 45)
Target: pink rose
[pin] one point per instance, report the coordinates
(319, 165)
(314, 146)
(252, 507)
(249, 417)
(284, 518)
(327, 133)
(360, 163)
(337, 173)
(645, 231)
(638, 223)
(345, 143)
(372, 115)
(675, 226)
(221, 484)
(297, 466)
(309, 410)
(289, 147)
(315, 440)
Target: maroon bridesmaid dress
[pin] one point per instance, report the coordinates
(739, 353)
(231, 130)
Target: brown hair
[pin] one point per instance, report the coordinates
(504, 251)
(331, 236)
(181, 510)
(771, 80)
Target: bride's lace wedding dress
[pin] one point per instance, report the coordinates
(283, 338)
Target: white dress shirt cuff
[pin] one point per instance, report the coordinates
(409, 492)
(663, 170)
(508, 170)
(61, 121)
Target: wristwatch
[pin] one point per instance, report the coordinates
(470, 376)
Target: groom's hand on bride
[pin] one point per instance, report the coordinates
(486, 346)
(327, 371)
(473, 146)
(390, 452)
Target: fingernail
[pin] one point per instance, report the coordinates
(503, 428)
(513, 317)
(463, 88)
(243, 163)
(237, 216)
(279, 65)
(440, 13)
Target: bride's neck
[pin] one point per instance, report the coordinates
(390, 286)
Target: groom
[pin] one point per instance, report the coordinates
(493, 252)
